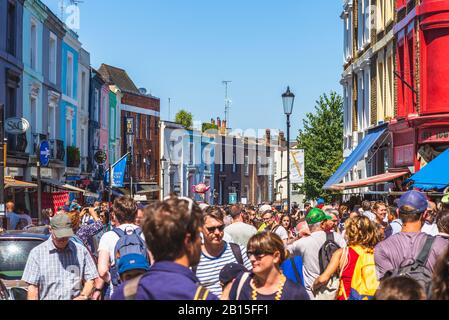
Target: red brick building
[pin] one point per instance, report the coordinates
(144, 110)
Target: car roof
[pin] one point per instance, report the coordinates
(23, 235)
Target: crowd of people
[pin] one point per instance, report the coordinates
(177, 249)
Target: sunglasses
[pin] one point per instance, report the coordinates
(258, 255)
(219, 228)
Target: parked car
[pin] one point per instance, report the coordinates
(15, 247)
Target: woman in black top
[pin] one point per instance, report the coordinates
(266, 282)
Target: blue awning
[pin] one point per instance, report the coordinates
(357, 155)
(435, 175)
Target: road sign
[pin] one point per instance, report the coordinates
(44, 154)
(232, 198)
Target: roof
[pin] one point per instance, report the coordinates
(118, 77)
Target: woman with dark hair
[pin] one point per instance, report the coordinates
(266, 252)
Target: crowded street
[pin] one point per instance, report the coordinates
(326, 180)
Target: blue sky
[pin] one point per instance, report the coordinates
(184, 49)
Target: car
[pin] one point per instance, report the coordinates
(15, 247)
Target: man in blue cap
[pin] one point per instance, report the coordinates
(131, 266)
(404, 247)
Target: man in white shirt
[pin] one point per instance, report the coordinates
(430, 226)
(367, 212)
(238, 230)
(308, 247)
(125, 212)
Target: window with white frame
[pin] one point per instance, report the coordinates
(33, 45)
(104, 113)
(360, 101)
(389, 105)
(52, 121)
(96, 104)
(83, 90)
(53, 51)
(246, 165)
(33, 107)
(69, 77)
(367, 96)
(364, 23)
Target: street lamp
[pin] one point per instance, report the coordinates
(163, 162)
(288, 99)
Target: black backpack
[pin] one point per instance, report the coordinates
(327, 250)
(417, 270)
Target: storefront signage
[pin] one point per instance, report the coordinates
(433, 135)
(16, 125)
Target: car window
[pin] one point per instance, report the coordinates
(13, 257)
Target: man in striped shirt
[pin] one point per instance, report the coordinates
(216, 253)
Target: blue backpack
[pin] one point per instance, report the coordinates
(129, 242)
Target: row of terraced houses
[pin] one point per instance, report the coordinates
(396, 90)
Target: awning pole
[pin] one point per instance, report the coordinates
(39, 193)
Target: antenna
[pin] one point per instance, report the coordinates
(227, 102)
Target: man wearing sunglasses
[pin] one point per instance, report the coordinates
(216, 252)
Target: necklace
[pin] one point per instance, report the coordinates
(278, 293)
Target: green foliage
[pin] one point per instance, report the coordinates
(209, 126)
(184, 118)
(322, 140)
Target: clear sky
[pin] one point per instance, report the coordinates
(184, 49)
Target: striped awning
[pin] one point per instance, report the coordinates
(10, 182)
(382, 178)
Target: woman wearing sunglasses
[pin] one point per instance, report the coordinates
(266, 282)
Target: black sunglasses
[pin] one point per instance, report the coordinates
(212, 229)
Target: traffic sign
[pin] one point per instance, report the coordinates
(44, 153)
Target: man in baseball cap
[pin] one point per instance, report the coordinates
(316, 216)
(396, 250)
(61, 225)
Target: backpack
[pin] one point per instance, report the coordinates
(128, 243)
(364, 281)
(327, 250)
(417, 270)
(237, 254)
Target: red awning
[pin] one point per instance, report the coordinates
(386, 177)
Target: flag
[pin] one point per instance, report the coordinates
(118, 173)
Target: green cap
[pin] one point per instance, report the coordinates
(445, 199)
(317, 215)
(62, 226)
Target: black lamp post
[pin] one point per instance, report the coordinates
(288, 99)
(163, 162)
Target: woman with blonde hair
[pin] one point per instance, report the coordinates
(266, 252)
(355, 263)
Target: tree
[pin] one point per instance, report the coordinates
(184, 118)
(322, 140)
(209, 126)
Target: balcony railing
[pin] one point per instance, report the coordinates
(73, 157)
(57, 149)
(37, 139)
(17, 143)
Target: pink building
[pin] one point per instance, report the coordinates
(104, 124)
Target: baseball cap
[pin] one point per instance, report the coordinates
(317, 215)
(61, 224)
(265, 208)
(230, 272)
(413, 199)
(320, 201)
(132, 261)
